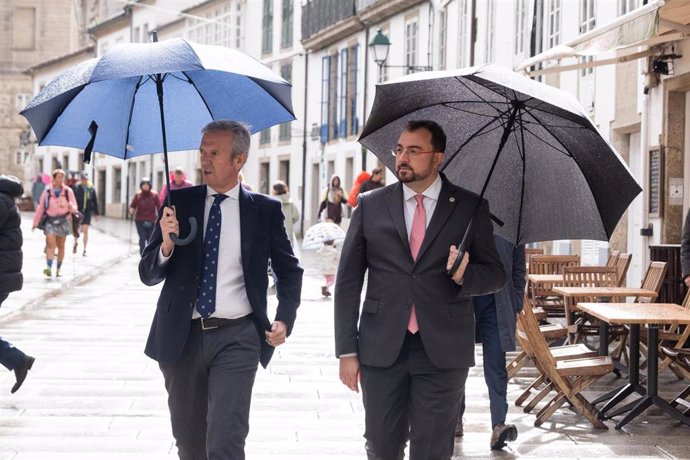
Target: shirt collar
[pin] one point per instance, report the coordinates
(432, 191)
(233, 193)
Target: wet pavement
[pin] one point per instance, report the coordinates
(93, 394)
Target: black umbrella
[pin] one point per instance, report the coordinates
(529, 148)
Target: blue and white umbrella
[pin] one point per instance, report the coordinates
(143, 98)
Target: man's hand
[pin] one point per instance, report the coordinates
(168, 225)
(349, 372)
(276, 336)
(460, 274)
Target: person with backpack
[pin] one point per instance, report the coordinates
(87, 203)
(55, 207)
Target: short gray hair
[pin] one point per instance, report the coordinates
(240, 134)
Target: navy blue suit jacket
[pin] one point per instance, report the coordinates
(263, 236)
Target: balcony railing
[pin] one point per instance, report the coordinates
(317, 15)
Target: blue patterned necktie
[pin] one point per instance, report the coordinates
(206, 297)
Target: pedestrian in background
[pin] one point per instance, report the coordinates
(211, 327)
(58, 203)
(328, 258)
(144, 208)
(495, 317)
(87, 202)
(374, 182)
(333, 199)
(37, 188)
(178, 180)
(290, 211)
(685, 251)
(355, 190)
(11, 270)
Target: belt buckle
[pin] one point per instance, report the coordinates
(206, 328)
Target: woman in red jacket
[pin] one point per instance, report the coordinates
(144, 208)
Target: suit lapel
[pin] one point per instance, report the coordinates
(198, 212)
(444, 208)
(394, 202)
(248, 216)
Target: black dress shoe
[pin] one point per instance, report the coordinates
(501, 435)
(21, 371)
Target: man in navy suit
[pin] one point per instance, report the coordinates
(412, 344)
(207, 351)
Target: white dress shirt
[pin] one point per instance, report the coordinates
(430, 199)
(231, 295)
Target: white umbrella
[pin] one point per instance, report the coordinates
(323, 231)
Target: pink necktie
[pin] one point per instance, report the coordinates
(416, 238)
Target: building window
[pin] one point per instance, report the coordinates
(411, 44)
(286, 73)
(145, 33)
(442, 37)
(286, 35)
(333, 98)
(351, 109)
(520, 19)
(20, 157)
(117, 184)
(219, 26)
(21, 100)
(554, 23)
(265, 136)
(267, 36)
(587, 23)
(136, 35)
(284, 171)
(325, 85)
(490, 32)
(464, 29)
(626, 6)
(342, 103)
(24, 28)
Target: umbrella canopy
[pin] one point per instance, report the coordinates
(200, 83)
(117, 104)
(323, 231)
(530, 148)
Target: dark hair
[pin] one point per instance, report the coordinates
(376, 171)
(438, 137)
(280, 188)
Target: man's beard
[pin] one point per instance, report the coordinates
(412, 176)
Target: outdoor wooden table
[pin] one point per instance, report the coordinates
(636, 314)
(594, 293)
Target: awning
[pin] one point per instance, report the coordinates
(646, 26)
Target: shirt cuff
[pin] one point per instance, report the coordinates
(347, 355)
(161, 258)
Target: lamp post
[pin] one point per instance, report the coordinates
(380, 46)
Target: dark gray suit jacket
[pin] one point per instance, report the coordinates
(377, 241)
(263, 236)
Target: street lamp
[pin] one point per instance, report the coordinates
(380, 46)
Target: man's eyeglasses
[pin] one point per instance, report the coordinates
(412, 152)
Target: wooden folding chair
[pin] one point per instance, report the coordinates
(622, 265)
(680, 357)
(544, 297)
(613, 258)
(569, 377)
(542, 386)
(590, 276)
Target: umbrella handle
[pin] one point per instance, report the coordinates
(458, 260)
(193, 229)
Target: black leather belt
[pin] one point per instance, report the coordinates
(215, 323)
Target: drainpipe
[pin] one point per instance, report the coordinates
(304, 141)
(430, 38)
(473, 31)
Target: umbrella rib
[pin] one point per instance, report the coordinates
(485, 101)
(521, 149)
(201, 96)
(131, 110)
(445, 104)
(565, 152)
(472, 136)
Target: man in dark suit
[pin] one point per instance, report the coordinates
(211, 328)
(496, 315)
(415, 339)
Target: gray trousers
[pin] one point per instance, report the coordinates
(210, 390)
(411, 400)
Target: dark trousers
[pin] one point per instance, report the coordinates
(210, 390)
(412, 399)
(144, 230)
(494, 358)
(10, 357)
